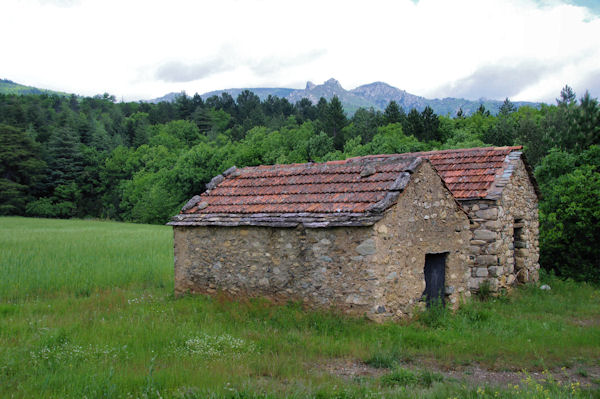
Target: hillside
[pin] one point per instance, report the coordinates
(376, 95)
(10, 87)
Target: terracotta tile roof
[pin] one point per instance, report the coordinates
(350, 192)
(472, 173)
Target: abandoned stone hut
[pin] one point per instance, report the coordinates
(370, 235)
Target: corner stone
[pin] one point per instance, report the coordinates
(488, 214)
(481, 272)
(487, 260)
(484, 235)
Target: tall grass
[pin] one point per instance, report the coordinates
(41, 257)
(99, 320)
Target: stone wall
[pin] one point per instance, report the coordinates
(321, 267)
(519, 202)
(376, 270)
(427, 219)
(492, 246)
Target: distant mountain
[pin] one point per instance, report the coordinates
(167, 98)
(380, 94)
(328, 90)
(10, 87)
(262, 93)
(376, 95)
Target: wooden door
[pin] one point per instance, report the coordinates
(435, 278)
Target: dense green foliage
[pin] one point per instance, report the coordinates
(92, 157)
(87, 310)
(570, 213)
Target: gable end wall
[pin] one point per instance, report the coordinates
(426, 220)
(492, 250)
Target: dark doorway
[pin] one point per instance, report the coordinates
(435, 278)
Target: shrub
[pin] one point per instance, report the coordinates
(485, 291)
(383, 360)
(406, 377)
(434, 316)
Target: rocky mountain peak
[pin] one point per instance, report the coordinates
(377, 84)
(333, 83)
(309, 85)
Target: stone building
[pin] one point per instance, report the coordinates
(497, 189)
(369, 235)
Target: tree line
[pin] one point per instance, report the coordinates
(65, 157)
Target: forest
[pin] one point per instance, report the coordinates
(94, 157)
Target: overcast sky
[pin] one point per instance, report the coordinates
(141, 49)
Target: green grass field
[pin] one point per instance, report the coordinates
(87, 310)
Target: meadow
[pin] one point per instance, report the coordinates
(87, 310)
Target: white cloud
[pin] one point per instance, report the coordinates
(146, 48)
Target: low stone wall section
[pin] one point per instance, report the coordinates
(492, 247)
(320, 267)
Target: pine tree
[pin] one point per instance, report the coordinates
(507, 107)
(393, 113)
(585, 129)
(305, 111)
(20, 169)
(322, 107)
(505, 130)
(335, 120)
(431, 125)
(64, 157)
(482, 111)
(414, 124)
(567, 96)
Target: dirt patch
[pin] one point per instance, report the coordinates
(477, 375)
(347, 368)
(473, 374)
(586, 322)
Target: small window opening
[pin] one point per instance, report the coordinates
(519, 241)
